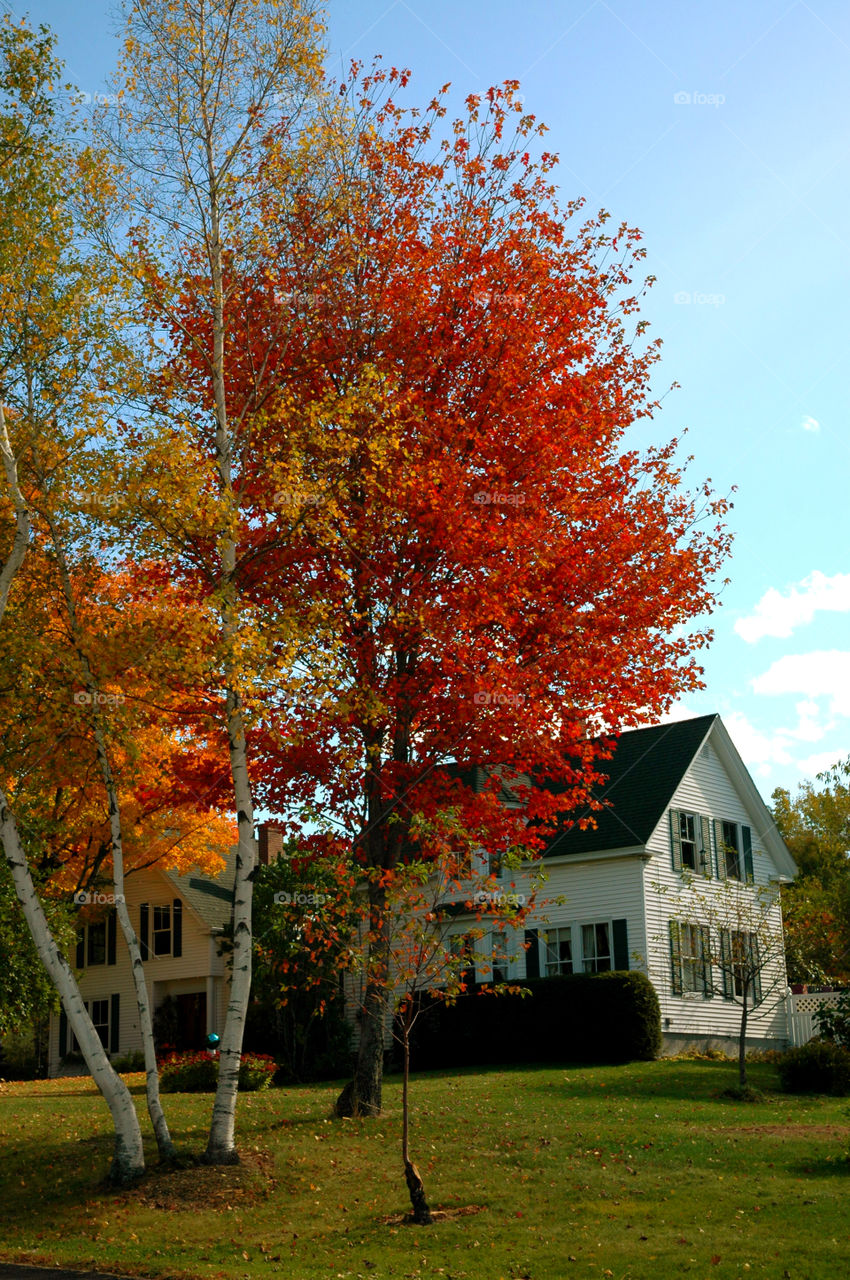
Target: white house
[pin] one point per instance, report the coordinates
(179, 920)
(671, 880)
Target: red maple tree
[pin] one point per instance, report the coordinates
(440, 369)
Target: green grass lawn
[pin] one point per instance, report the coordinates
(637, 1171)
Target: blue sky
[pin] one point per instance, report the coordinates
(721, 130)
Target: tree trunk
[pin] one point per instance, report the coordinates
(362, 1095)
(221, 1147)
(128, 1163)
(164, 1144)
(742, 1043)
(415, 1185)
(21, 540)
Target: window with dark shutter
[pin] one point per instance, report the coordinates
(676, 957)
(144, 925)
(621, 944)
(111, 935)
(532, 954)
(177, 943)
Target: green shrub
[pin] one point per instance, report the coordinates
(605, 1017)
(817, 1067)
(198, 1072)
(833, 1020)
(134, 1061)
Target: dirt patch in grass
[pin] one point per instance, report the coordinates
(439, 1215)
(204, 1186)
(826, 1132)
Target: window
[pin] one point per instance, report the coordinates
(690, 954)
(741, 963)
(734, 850)
(499, 952)
(96, 942)
(559, 951)
(463, 948)
(96, 953)
(100, 1019)
(162, 931)
(596, 947)
(690, 842)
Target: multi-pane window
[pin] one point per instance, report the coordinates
(690, 954)
(162, 931)
(691, 842)
(688, 836)
(500, 957)
(96, 953)
(731, 849)
(100, 1020)
(559, 951)
(596, 947)
(734, 850)
(741, 962)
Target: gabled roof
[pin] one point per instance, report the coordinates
(642, 776)
(210, 897)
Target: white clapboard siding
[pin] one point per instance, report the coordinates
(198, 969)
(706, 789)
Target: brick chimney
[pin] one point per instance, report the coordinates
(270, 842)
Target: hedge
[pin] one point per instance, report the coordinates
(605, 1017)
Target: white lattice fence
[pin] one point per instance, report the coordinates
(802, 1008)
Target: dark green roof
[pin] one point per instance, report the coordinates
(642, 776)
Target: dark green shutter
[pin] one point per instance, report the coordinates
(720, 849)
(111, 927)
(81, 949)
(144, 913)
(115, 1024)
(63, 1033)
(676, 956)
(532, 954)
(621, 944)
(726, 964)
(177, 926)
(705, 944)
(675, 840)
(747, 841)
(755, 958)
(705, 847)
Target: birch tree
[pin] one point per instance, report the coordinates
(199, 82)
(43, 352)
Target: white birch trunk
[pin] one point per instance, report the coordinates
(128, 1162)
(157, 1117)
(22, 519)
(221, 1146)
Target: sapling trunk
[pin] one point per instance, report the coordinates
(415, 1185)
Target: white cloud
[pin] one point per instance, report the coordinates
(824, 673)
(678, 711)
(810, 424)
(818, 763)
(777, 614)
(759, 750)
